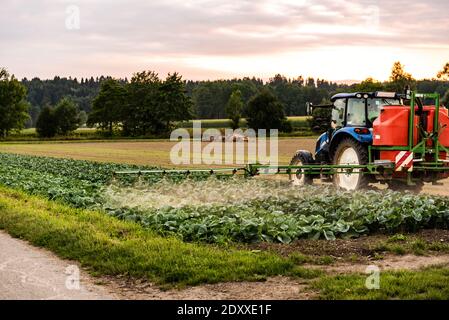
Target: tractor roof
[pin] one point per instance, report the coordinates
(359, 95)
(345, 96)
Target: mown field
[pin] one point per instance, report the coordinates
(140, 152)
(178, 232)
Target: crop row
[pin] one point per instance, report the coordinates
(312, 213)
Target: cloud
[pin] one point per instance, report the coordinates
(126, 34)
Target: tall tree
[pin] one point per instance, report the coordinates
(108, 107)
(444, 73)
(234, 108)
(66, 116)
(143, 104)
(264, 111)
(175, 105)
(400, 79)
(46, 126)
(13, 106)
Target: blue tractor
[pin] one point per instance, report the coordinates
(347, 140)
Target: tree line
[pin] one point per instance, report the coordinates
(209, 98)
(148, 105)
(145, 105)
(42, 93)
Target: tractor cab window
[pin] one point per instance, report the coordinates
(374, 106)
(356, 116)
(338, 113)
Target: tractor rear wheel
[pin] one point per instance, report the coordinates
(297, 177)
(350, 152)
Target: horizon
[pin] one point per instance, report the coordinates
(335, 40)
(265, 80)
(348, 82)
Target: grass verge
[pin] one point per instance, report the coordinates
(108, 246)
(400, 244)
(429, 283)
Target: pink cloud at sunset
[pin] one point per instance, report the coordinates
(209, 39)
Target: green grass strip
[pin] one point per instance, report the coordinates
(108, 246)
(427, 284)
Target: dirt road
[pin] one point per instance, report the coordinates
(27, 272)
(31, 273)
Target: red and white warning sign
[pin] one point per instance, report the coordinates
(404, 161)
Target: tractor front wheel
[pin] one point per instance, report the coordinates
(297, 176)
(350, 152)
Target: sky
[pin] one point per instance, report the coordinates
(212, 39)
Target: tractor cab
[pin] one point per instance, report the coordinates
(360, 109)
(353, 114)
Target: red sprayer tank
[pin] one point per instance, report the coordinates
(443, 121)
(391, 127)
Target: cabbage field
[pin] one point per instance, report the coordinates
(222, 210)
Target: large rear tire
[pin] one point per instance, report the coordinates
(350, 152)
(297, 177)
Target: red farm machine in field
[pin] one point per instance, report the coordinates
(398, 139)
